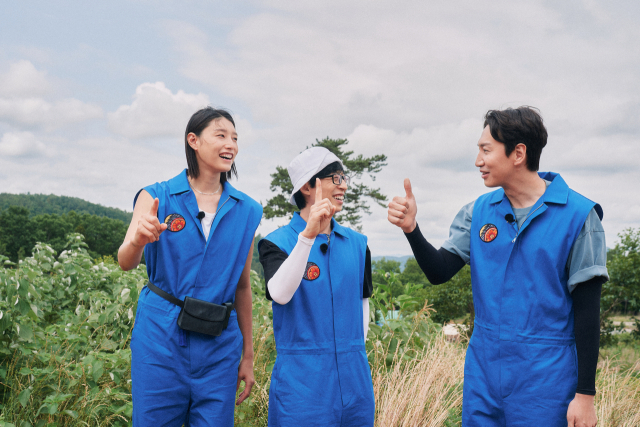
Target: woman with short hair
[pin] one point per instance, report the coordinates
(192, 342)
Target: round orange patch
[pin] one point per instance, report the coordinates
(175, 222)
(488, 233)
(312, 271)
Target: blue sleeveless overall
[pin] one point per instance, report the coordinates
(321, 376)
(186, 377)
(521, 365)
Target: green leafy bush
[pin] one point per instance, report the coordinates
(65, 326)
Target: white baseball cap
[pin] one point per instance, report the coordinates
(308, 163)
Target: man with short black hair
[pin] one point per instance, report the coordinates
(538, 261)
(318, 274)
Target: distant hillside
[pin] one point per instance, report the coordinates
(401, 259)
(50, 204)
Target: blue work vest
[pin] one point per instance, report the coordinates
(184, 263)
(325, 314)
(521, 364)
(519, 279)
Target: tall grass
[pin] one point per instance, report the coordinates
(618, 397)
(423, 391)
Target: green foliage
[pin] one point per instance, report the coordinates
(355, 202)
(253, 411)
(38, 204)
(255, 258)
(449, 301)
(19, 232)
(385, 273)
(66, 325)
(385, 266)
(412, 273)
(399, 338)
(622, 292)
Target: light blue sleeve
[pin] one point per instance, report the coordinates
(459, 241)
(588, 257)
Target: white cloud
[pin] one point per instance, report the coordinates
(156, 111)
(23, 80)
(412, 80)
(450, 146)
(22, 103)
(21, 144)
(37, 112)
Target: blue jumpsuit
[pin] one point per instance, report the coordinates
(186, 377)
(322, 376)
(521, 365)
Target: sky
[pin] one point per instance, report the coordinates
(95, 96)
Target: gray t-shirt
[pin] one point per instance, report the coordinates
(587, 259)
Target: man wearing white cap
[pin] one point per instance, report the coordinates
(318, 275)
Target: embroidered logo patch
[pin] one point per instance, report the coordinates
(312, 272)
(488, 233)
(175, 222)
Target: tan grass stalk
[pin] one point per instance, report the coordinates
(421, 391)
(618, 397)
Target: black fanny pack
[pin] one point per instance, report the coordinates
(197, 315)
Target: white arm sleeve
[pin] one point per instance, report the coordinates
(285, 282)
(365, 312)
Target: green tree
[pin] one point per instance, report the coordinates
(412, 273)
(622, 292)
(16, 234)
(19, 232)
(450, 300)
(356, 201)
(384, 265)
(39, 204)
(387, 273)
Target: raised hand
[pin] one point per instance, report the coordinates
(149, 228)
(319, 215)
(403, 210)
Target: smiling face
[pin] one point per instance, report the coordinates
(495, 166)
(335, 193)
(217, 145)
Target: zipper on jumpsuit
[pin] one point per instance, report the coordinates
(333, 311)
(525, 220)
(183, 334)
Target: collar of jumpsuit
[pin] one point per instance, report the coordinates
(557, 193)
(180, 184)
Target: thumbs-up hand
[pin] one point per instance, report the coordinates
(149, 228)
(320, 214)
(403, 210)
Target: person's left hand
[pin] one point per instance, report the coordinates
(582, 412)
(245, 374)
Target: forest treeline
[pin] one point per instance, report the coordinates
(39, 204)
(19, 232)
(26, 219)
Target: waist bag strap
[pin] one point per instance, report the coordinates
(162, 294)
(173, 300)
